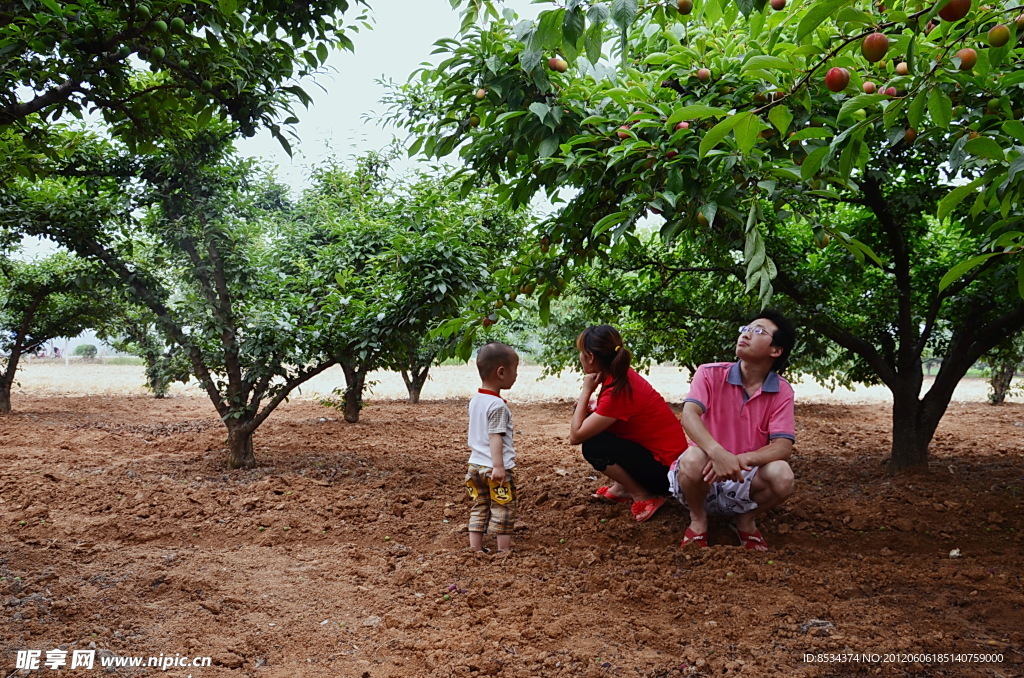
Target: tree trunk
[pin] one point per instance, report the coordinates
(240, 454)
(354, 380)
(5, 396)
(914, 420)
(1000, 381)
(414, 382)
(7, 381)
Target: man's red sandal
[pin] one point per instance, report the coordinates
(691, 537)
(605, 493)
(752, 541)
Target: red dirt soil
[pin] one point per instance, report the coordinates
(344, 553)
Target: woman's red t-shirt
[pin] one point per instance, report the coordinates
(643, 417)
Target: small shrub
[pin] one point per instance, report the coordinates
(124, 360)
(86, 351)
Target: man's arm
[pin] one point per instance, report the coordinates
(723, 464)
(777, 449)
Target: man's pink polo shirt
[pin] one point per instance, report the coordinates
(741, 424)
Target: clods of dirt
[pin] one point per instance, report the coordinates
(344, 553)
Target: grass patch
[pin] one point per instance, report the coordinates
(124, 360)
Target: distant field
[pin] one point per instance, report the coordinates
(447, 381)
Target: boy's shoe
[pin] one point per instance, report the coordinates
(642, 510)
(605, 493)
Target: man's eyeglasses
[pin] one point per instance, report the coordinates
(756, 330)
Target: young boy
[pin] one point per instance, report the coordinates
(492, 455)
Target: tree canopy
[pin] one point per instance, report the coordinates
(888, 135)
(141, 68)
(56, 296)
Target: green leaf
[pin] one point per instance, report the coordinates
(598, 14)
(1016, 167)
(574, 26)
(812, 133)
(609, 221)
(746, 6)
(508, 116)
(594, 42)
(818, 12)
(956, 196)
(781, 118)
(1011, 79)
(549, 30)
(623, 13)
(985, 147)
(916, 111)
(858, 102)
(695, 112)
(941, 107)
(465, 349)
(541, 110)
(963, 267)
(227, 7)
(813, 161)
(766, 62)
(719, 132)
(548, 147)
(746, 131)
(1014, 128)
(545, 309)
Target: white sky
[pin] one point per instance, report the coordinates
(401, 40)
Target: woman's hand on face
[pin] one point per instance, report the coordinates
(591, 382)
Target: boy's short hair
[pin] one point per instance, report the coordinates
(784, 338)
(493, 355)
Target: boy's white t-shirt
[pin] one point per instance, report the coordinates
(489, 414)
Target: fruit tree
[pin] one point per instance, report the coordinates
(772, 145)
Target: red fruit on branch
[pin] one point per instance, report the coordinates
(875, 46)
(558, 64)
(955, 10)
(837, 79)
(998, 35)
(685, 6)
(703, 74)
(683, 125)
(623, 132)
(869, 87)
(778, 5)
(968, 58)
(910, 135)
(902, 68)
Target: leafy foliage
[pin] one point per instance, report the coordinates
(717, 129)
(202, 260)
(394, 256)
(144, 67)
(57, 296)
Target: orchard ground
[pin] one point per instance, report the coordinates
(344, 553)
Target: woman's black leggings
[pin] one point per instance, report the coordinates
(605, 449)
